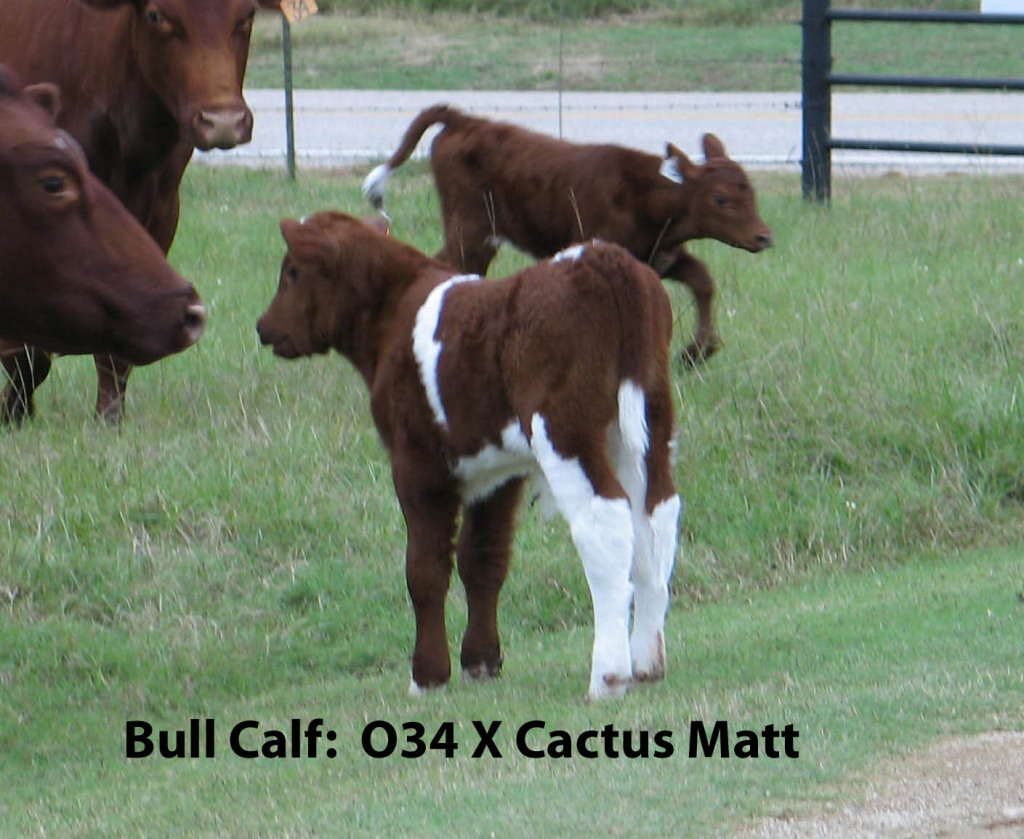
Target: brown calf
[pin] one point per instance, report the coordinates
(499, 182)
(78, 274)
(558, 373)
(143, 83)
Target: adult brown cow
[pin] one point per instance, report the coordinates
(78, 273)
(558, 373)
(143, 82)
(499, 182)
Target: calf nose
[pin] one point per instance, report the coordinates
(222, 128)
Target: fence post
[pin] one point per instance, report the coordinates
(817, 102)
(289, 106)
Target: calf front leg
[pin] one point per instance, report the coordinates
(483, 558)
(25, 368)
(430, 521)
(112, 383)
(694, 273)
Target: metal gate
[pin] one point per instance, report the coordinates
(818, 80)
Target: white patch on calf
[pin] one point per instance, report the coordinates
(427, 348)
(670, 169)
(603, 535)
(494, 466)
(602, 531)
(652, 570)
(574, 253)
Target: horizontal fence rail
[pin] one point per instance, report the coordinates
(818, 80)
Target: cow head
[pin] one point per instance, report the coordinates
(192, 55)
(724, 206)
(78, 273)
(325, 295)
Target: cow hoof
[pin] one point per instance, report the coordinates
(416, 691)
(699, 353)
(480, 673)
(650, 667)
(611, 686)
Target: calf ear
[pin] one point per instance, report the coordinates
(46, 96)
(677, 167)
(308, 243)
(713, 147)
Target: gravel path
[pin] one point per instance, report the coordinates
(967, 788)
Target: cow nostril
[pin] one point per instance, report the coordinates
(195, 321)
(765, 240)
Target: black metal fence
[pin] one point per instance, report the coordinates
(818, 80)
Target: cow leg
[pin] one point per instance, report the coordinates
(430, 515)
(25, 369)
(694, 273)
(655, 507)
(483, 559)
(470, 249)
(112, 375)
(596, 507)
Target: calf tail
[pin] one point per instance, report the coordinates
(373, 186)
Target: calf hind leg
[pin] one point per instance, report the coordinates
(595, 505)
(656, 509)
(483, 559)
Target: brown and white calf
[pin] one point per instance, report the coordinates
(558, 373)
(499, 182)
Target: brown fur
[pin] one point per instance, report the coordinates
(143, 83)
(78, 274)
(554, 341)
(498, 181)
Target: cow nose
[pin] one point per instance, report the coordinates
(222, 128)
(764, 240)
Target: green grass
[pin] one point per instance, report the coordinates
(852, 467)
(741, 46)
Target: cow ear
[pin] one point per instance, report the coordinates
(46, 96)
(309, 243)
(713, 147)
(677, 167)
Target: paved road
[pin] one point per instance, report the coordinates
(762, 130)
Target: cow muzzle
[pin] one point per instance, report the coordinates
(222, 127)
(761, 241)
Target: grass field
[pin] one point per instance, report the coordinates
(850, 564)
(669, 47)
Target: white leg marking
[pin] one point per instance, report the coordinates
(652, 574)
(427, 348)
(603, 535)
(602, 531)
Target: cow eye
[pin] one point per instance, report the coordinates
(58, 187)
(720, 200)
